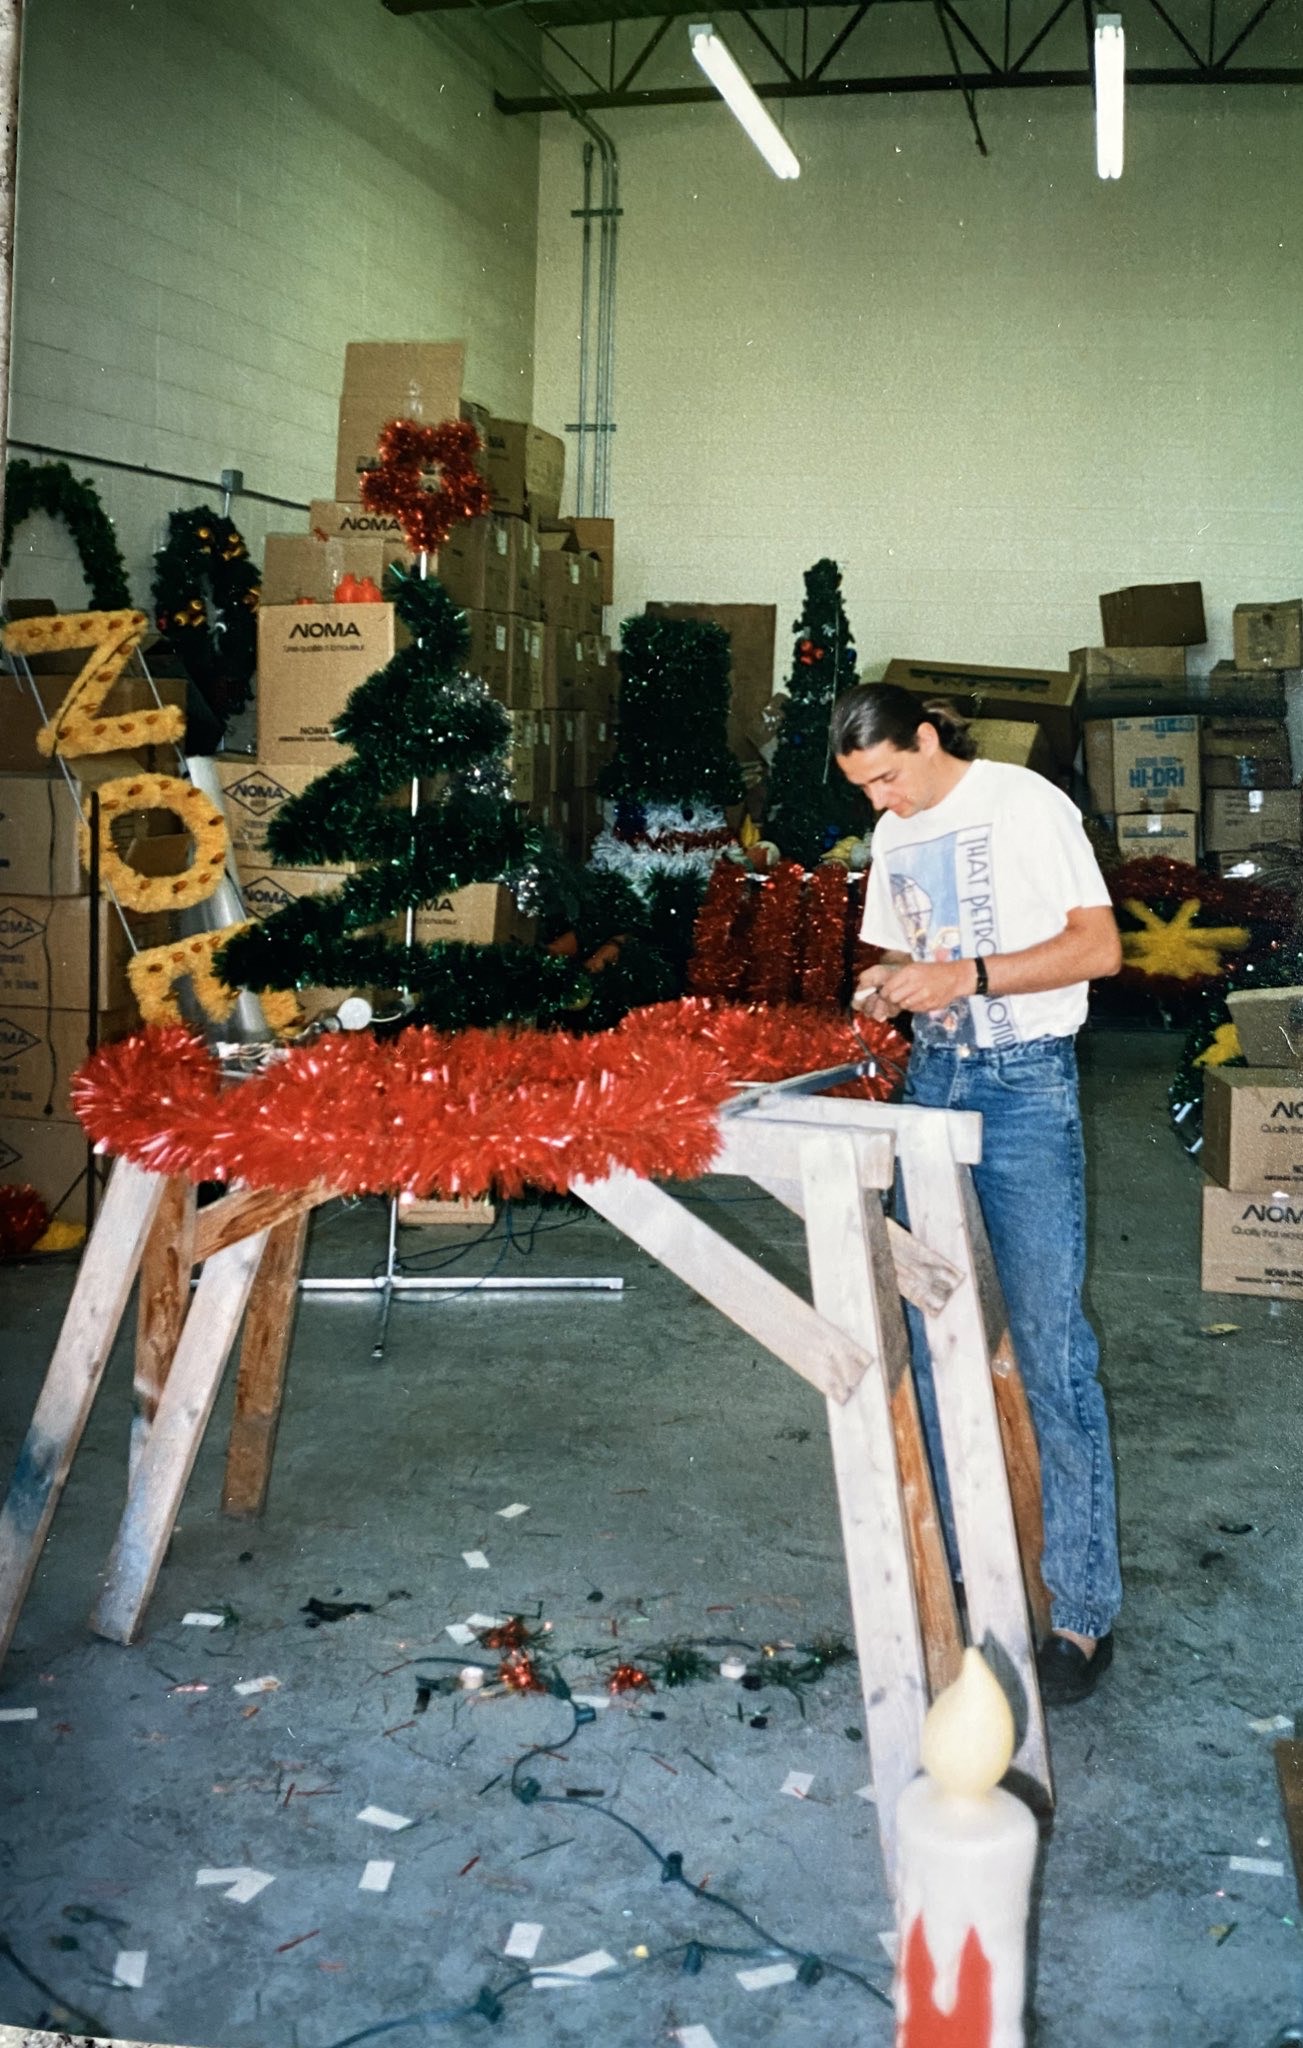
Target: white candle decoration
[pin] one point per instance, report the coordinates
(965, 1855)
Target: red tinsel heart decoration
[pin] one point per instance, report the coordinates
(407, 448)
(24, 1220)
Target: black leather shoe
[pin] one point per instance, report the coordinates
(1066, 1673)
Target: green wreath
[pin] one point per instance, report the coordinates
(51, 487)
(206, 605)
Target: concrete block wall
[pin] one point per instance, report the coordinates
(212, 202)
(992, 388)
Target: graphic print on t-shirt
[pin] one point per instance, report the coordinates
(942, 891)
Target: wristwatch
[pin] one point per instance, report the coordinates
(979, 968)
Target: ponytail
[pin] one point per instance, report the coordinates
(873, 712)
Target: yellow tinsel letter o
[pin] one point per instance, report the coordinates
(155, 973)
(199, 817)
(77, 726)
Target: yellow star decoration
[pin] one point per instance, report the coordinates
(1177, 946)
(1224, 1045)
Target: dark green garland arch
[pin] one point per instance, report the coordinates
(52, 488)
(205, 595)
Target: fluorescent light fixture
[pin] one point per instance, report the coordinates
(1110, 90)
(736, 90)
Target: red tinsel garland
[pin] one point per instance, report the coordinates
(781, 1039)
(480, 1111)
(822, 971)
(771, 951)
(719, 959)
(407, 448)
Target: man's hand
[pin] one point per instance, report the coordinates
(927, 985)
(867, 1000)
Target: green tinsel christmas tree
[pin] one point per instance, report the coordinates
(673, 773)
(421, 716)
(811, 805)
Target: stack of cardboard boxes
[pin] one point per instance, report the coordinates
(1024, 716)
(1253, 1153)
(533, 587)
(46, 931)
(1174, 783)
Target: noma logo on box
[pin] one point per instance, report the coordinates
(1294, 1110)
(8, 1157)
(326, 629)
(265, 896)
(15, 1039)
(257, 794)
(17, 928)
(367, 522)
(1272, 1212)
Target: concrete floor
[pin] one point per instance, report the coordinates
(678, 1484)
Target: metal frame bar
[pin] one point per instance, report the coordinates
(843, 35)
(761, 37)
(969, 101)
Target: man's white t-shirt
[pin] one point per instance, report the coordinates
(995, 867)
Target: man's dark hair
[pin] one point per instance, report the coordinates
(873, 712)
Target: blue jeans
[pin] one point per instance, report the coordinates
(1031, 1188)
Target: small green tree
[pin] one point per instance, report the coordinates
(420, 717)
(811, 805)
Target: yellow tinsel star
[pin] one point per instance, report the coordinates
(1224, 1045)
(1177, 946)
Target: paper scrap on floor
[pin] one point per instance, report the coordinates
(524, 1939)
(129, 1969)
(576, 1972)
(381, 1817)
(376, 1876)
(767, 1974)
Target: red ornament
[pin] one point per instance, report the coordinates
(968, 2022)
(407, 448)
(629, 1678)
(357, 590)
(519, 1673)
(24, 1220)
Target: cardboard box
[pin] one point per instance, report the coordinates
(54, 1158)
(1047, 695)
(21, 717)
(565, 669)
(1173, 834)
(41, 1050)
(252, 793)
(525, 570)
(751, 630)
(525, 468)
(389, 380)
(474, 564)
(585, 822)
(1245, 771)
(594, 746)
(1143, 764)
(1268, 635)
(1253, 1242)
(1015, 740)
(1237, 820)
(556, 745)
(1269, 1022)
(552, 813)
(1154, 615)
(563, 585)
(1117, 675)
(38, 837)
(311, 658)
(1245, 753)
(45, 952)
(298, 565)
(1248, 692)
(1253, 1127)
(492, 644)
(266, 889)
(595, 537)
(485, 914)
(332, 518)
(525, 688)
(1274, 867)
(525, 764)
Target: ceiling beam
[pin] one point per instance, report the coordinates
(833, 88)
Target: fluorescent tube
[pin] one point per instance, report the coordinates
(1110, 88)
(736, 90)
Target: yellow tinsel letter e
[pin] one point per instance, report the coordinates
(77, 726)
(154, 975)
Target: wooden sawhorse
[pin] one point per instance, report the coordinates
(828, 1160)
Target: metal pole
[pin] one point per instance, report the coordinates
(11, 37)
(585, 335)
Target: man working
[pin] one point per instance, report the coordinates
(995, 917)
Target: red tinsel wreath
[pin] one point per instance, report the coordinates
(465, 1114)
(406, 449)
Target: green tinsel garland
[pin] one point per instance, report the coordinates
(811, 805)
(206, 605)
(51, 487)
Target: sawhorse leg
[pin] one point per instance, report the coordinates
(99, 1300)
(260, 1384)
(164, 1303)
(168, 1456)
